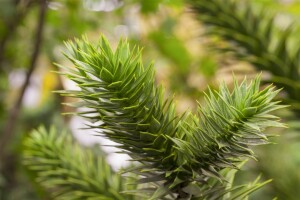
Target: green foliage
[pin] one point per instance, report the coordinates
(69, 170)
(175, 152)
(208, 66)
(173, 49)
(149, 6)
(286, 7)
(254, 38)
(152, 6)
(202, 150)
(286, 175)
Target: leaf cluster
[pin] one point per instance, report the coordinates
(253, 37)
(174, 151)
(70, 171)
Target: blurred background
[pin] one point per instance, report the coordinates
(32, 33)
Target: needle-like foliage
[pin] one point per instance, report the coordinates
(174, 151)
(122, 96)
(69, 170)
(252, 37)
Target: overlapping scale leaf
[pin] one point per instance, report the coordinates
(123, 97)
(253, 37)
(225, 129)
(68, 171)
(174, 151)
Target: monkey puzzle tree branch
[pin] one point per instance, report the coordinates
(180, 150)
(252, 36)
(70, 171)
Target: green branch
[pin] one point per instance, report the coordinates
(174, 151)
(252, 37)
(68, 170)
